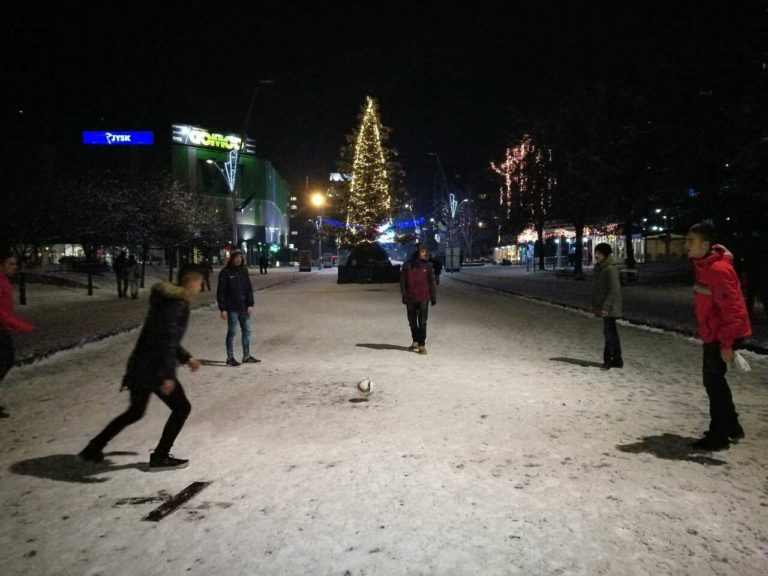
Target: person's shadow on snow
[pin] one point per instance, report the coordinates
(670, 447)
(69, 467)
(384, 347)
(578, 362)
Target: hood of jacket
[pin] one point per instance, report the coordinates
(717, 253)
(167, 291)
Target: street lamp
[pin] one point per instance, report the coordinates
(229, 172)
(452, 210)
(231, 185)
(416, 230)
(318, 199)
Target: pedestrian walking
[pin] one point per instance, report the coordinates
(152, 370)
(121, 262)
(133, 273)
(207, 268)
(235, 298)
(723, 323)
(437, 266)
(417, 288)
(607, 304)
(263, 264)
(8, 321)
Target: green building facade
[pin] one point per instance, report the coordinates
(199, 159)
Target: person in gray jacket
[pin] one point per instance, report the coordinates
(607, 304)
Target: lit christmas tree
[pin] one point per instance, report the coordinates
(369, 198)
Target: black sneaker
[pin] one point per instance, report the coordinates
(617, 364)
(735, 432)
(91, 454)
(3, 413)
(232, 362)
(606, 366)
(251, 360)
(159, 462)
(711, 443)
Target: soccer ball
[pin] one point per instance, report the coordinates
(365, 386)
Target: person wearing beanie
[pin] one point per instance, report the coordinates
(235, 299)
(8, 321)
(607, 304)
(723, 322)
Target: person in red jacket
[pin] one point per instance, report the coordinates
(8, 321)
(723, 322)
(417, 287)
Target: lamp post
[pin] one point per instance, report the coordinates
(229, 172)
(230, 180)
(318, 200)
(416, 230)
(452, 210)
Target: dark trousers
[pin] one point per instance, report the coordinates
(176, 401)
(7, 353)
(122, 286)
(612, 350)
(417, 320)
(722, 412)
(206, 282)
(262, 268)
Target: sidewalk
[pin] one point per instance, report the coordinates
(65, 318)
(669, 307)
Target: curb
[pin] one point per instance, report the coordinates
(748, 345)
(37, 356)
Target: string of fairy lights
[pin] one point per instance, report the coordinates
(525, 177)
(369, 199)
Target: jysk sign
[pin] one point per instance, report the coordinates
(202, 138)
(118, 138)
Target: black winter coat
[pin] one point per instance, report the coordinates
(234, 293)
(158, 349)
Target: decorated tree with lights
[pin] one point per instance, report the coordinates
(528, 183)
(371, 178)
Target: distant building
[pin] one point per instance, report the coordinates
(199, 159)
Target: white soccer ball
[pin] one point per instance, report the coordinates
(365, 386)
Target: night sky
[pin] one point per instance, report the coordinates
(455, 82)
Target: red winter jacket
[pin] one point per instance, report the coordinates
(417, 281)
(720, 310)
(8, 321)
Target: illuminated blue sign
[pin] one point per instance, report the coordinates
(122, 138)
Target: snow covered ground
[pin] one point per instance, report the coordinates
(505, 450)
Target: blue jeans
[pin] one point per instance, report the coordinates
(233, 319)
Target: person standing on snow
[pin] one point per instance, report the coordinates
(152, 369)
(607, 304)
(723, 322)
(8, 321)
(133, 273)
(437, 266)
(417, 288)
(235, 298)
(121, 275)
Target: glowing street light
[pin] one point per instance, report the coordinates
(319, 199)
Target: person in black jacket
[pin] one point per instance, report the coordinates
(121, 274)
(437, 266)
(235, 298)
(152, 369)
